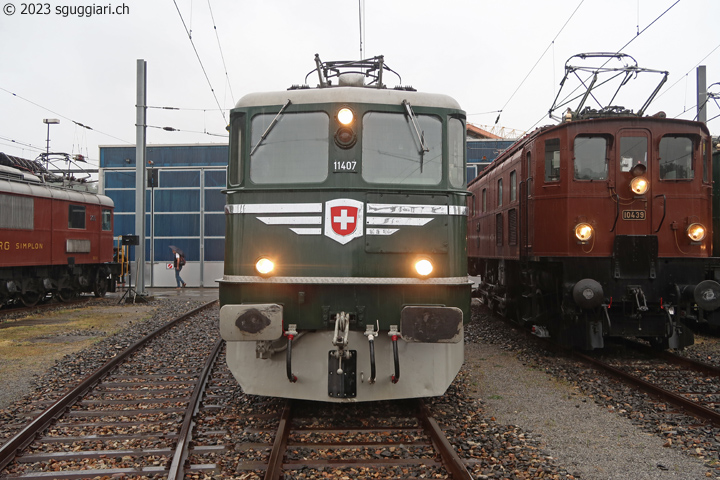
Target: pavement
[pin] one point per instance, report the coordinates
(194, 293)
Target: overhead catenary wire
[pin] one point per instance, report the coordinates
(173, 129)
(15, 143)
(227, 77)
(640, 32)
(63, 116)
(542, 55)
(197, 54)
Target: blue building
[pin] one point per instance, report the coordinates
(184, 207)
(482, 148)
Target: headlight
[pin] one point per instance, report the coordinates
(583, 232)
(424, 267)
(639, 185)
(696, 232)
(345, 116)
(264, 266)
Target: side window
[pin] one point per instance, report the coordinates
(500, 193)
(513, 186)
(529, 175)
(676, 158)
(76, 216)
(235, 166)
(552, 160)
(590, 158)
(484, 200)
(456, 151)
(106, 220)
(706, 159)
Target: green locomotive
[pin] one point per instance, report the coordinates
(345, 256)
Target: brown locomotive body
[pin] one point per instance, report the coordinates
(599, 227)
(53, 240)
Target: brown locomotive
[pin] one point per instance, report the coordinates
(599, 226)
(54, 240)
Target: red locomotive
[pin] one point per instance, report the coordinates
(599, 226)
(53, 239)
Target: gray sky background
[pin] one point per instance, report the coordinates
(489, 55)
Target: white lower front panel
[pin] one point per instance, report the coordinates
(426, 369)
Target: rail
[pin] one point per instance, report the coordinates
(10, 449)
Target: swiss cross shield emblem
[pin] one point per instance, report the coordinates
(343, 219)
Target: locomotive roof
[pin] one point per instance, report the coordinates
(588, 126)
(37, 189)
(348, 95)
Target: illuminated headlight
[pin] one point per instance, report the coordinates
(345, 116)
(639, 185)
(696, 232)
(264, 266)
(583, 232)
(424, 267)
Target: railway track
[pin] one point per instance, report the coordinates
(278, 439)
(158, 410)
(133, 416)
(687, 384)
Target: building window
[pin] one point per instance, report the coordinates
(552, 160)
(76, 216)
(513, 186)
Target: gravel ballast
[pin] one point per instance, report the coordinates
(526, 414)
(590, 439)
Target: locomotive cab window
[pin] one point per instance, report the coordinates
(590, 158)
(633, 151)
(76, 216)
(293, 149)
(552, 160)
(393, 153)
(676, 158)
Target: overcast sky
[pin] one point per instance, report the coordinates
(504, 55)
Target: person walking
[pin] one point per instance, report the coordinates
(178, 264)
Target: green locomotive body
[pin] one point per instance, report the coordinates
(326, 219)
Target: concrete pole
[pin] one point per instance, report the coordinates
(140, 181)
(701, 94)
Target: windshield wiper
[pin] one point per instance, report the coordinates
(420, 135)
(270, 127)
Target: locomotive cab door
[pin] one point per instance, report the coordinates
(633, 188)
